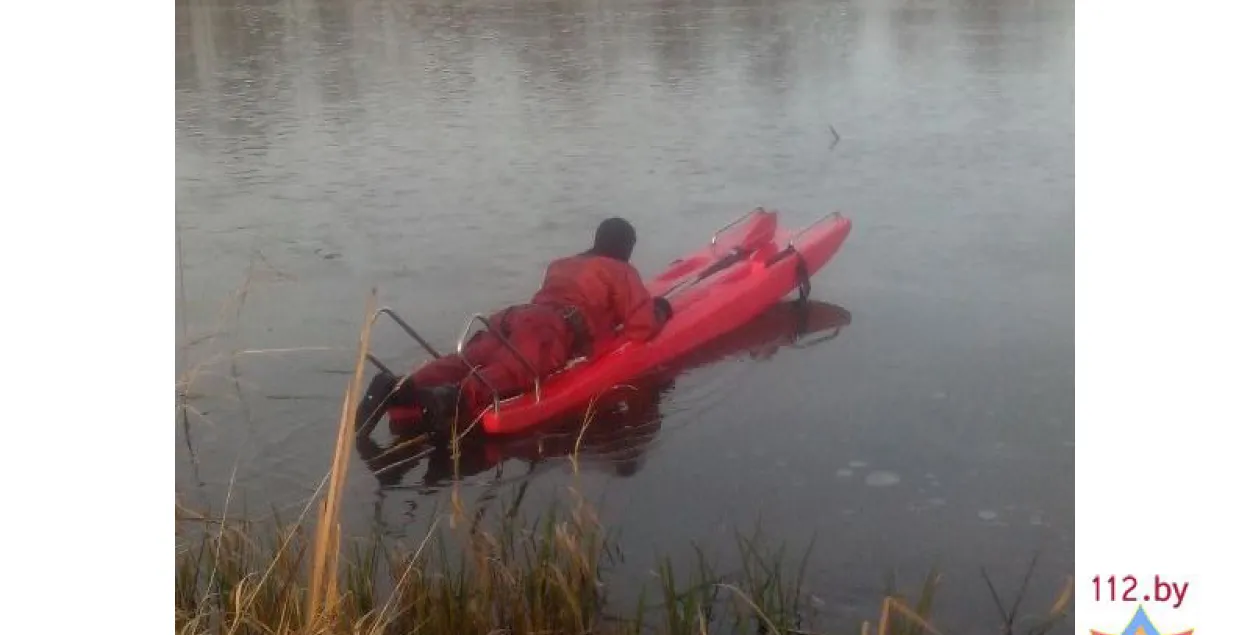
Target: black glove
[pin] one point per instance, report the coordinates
(663, 310)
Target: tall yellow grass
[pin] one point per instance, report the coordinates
(323, 591)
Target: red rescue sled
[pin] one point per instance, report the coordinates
(747, 267)
(625, 422)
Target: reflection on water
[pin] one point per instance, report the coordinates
(445, 151)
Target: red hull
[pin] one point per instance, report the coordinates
(702, 312)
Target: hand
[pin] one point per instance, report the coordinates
(663, 310)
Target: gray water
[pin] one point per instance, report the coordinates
(442, 152)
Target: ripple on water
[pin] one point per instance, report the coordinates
(882, 478)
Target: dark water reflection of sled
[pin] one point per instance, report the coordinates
(622, 423)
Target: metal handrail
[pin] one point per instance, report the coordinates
(715, 234)
(408, 329)
(389, 312)
(833, 214)
(377, 362)
(494, 392)
(468, 326)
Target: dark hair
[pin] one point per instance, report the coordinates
(614, 238)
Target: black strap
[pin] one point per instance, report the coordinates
(736, 254)
(800, 272)
(802, 314)
(576, 322)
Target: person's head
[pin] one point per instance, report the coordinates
(615, 238)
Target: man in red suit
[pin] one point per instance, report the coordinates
(584, 300)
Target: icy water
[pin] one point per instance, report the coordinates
(444, 151)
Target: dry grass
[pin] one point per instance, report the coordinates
(507, 575)
(547, 575)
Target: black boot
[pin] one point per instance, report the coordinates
(374, 402)
(438, 405)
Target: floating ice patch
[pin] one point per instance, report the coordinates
(844, 472)
(858, 464)
(936, 501)
(881, 478)
(939, 394)
(986, 514)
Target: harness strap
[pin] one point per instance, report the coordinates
(576, 322)
(800, 272)
(800, 269)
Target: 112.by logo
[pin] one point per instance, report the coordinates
(1164, 591)
(1124, 589)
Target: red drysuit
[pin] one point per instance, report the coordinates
(582, 301)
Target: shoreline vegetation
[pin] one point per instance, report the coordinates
(505, 574)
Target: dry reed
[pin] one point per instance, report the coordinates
(324, 586)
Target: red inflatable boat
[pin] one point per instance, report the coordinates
(747, 267)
